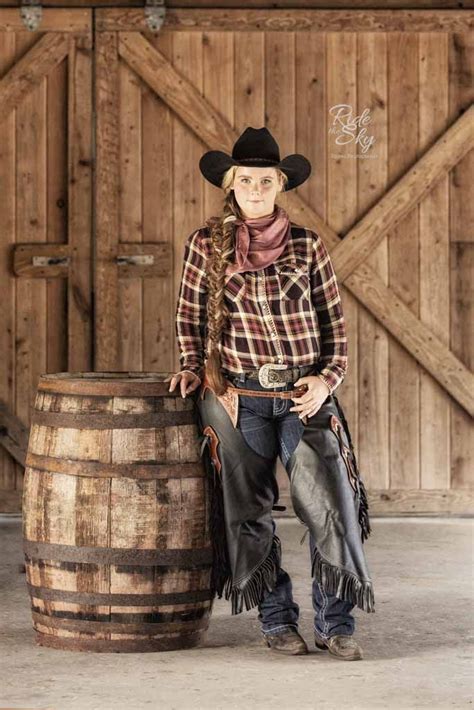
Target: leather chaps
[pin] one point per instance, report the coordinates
(327, 494)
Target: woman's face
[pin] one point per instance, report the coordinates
(255, 190)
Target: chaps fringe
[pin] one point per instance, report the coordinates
(364, 521)
(250, 591)
(343, 584)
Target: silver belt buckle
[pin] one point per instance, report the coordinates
(267, 378)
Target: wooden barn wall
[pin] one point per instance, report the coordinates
(413, 441)
(45, 211)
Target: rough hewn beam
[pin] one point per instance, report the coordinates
(290, 20)
(395, 204)
(27, 73)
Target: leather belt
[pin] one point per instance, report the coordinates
(287, 394)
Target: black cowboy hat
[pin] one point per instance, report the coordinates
(255, 147)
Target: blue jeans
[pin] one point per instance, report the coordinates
(272, 430)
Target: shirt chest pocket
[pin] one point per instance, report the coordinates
(235, 287)
(293, 281)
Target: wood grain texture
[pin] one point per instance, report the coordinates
(342, 207)
(130, 305)
(404, 267)
(174, 87)
(294, 4)
(75, 21)
(372, 88)
(46, 133)
(461, 248)
(8, 468)
(438, 158)
(434, 259)
(80, 154)
(295, 20)
(30, 71)
(107, 203)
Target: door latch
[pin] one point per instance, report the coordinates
(155, 12)
(31, 14)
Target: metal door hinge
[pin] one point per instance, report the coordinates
(155, 12)
(31, 14)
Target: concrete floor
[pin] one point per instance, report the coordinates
(416, 644)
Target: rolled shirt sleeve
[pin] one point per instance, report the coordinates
(332, 364)
(191, 307)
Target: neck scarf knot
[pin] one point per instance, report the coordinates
(259, 241)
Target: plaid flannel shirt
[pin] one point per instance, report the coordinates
(289, 312)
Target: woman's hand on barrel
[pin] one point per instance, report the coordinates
(188, 382)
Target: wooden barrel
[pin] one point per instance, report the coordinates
(115, 515)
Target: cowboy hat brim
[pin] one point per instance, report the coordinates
(214, 164)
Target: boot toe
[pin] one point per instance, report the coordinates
(287, 641)
(340, 646)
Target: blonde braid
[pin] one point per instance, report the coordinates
(223, 249)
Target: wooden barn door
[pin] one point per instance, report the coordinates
(405, 260)
(45, 217)
(397, 216)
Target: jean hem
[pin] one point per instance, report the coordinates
(326, 638)
(278, 628)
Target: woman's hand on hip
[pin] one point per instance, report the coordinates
(313, 398)
(188, 382)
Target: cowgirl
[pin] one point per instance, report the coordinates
(260, 298)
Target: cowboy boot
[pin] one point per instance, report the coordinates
(340, 646)
(287, 640)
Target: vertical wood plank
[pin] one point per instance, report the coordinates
(372, 183)
(107, 196)
(249, 80)
(158, 307)
(130, 215)
(7, 280)
(31, 184)
(404, 392)
(79, 191)
(434, 261)
(341, 62)
(311, 118)
(461, 212)
(57, 210)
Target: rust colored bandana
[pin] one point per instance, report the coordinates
(259, 241)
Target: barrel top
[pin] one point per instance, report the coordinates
(137, 384)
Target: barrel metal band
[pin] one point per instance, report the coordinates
(161, 643)
(118, 555)
(103, 599)
(138, 628)
(66, 420)
(97, 469)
